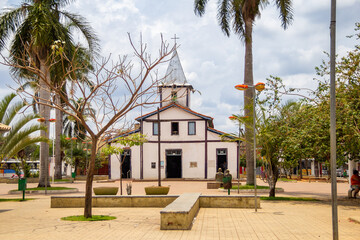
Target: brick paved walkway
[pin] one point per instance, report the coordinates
(275, 220)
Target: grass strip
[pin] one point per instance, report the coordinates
(15, 199)
(93, 218)
(234, 186)
(287, 180)
(49, 188)
(289, 199)
(62, 180)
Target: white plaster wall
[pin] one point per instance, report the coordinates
(135, 164)
(165, 127)
(151, 155)
(231, 156)
(115, 167)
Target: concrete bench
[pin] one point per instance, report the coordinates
(180, 213)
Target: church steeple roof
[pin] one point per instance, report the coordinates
(174, 73)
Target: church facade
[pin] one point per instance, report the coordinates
(188, 145)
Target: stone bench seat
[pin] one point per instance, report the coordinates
(180, 213)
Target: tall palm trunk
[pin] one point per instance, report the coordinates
(89, 179)
(248, 100)
(58, 130)
(44, 95)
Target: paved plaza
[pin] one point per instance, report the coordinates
(275, 220)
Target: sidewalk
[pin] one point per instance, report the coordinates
(275, 220)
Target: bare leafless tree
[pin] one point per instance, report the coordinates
(116, 89)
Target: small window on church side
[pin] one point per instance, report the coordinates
(191, 128)
(155, 128)
(174, 128)
(153, 164)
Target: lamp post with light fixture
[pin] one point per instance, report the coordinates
(259, 87)
(72, 160)
(234, 118)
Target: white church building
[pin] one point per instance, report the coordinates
(190, 146)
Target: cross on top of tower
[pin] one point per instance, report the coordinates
(175, 38)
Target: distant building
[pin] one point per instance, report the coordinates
(191, 147)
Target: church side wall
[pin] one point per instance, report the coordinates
(231, 148)
(192, 159)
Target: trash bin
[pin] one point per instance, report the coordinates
(73, 174)
(22, 184)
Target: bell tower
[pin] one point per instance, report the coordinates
(175, 88)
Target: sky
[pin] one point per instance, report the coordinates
(212, 62)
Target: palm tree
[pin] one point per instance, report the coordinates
(240, 16)
(20, 135)
(36, 25)
(82, 56)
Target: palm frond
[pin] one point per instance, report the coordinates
(4, 104)
(12, 140)
(20, 124)
(238, 22)
(199, 7)
(224, 16)
(24, 143)
(286, 12)
(81, 24)
(12, 111)
(10, 20)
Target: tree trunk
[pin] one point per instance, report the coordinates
(273, 177)
(248, 101)
(300, 169)
(89, 180)
(44, 94)
(58, 130)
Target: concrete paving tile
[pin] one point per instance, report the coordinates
(275, 220)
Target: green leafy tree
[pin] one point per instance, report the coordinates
(118, 148)
(240, 15)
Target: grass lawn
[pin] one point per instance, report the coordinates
(287, 180)
(288, 199)
(93, 218)
(63, 180)
(14, 199)
(49, 188)
(242, 187)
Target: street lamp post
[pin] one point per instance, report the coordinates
(72, 160)
(239, 153)
(53, 120)
(259, 87)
